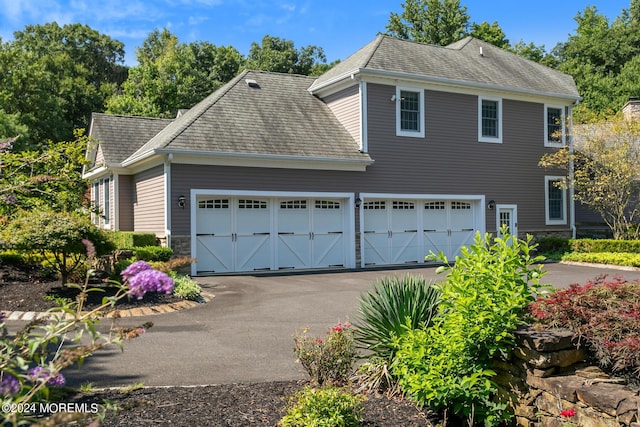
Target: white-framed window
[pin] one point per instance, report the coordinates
(409, 112)
(555, 200)
(106, 201)
(96, 203)
(554, 129)
(489, 119)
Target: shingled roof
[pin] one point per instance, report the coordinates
(119, 136)
(468, 62)
(258, 113)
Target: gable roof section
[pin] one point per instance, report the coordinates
(119, 136)
(460, 63)
(276, 118)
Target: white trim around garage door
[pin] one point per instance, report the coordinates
(407, 235)
(349, 217)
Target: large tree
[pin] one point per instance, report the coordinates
(171, 75)
(606, 172)
(280, 55)
(438, 22)
(53, 77)
(602, 58)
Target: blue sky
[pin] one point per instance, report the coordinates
(339, 27)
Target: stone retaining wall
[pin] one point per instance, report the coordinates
(547, 374)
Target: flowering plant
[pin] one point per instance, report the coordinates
(31, 360)
(567, 414)
(329, 359)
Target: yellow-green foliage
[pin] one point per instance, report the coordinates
(323, 407)
(483, 300)
(627, 259)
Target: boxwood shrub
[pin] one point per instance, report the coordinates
(153, 253)
(131, 239)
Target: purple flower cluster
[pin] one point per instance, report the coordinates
(10, 199)
(9, 385)
(141, 278)
(39, 373)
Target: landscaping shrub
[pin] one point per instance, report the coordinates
(329, 359)
(31, 360)
(153, 253)
(605, 245)
(57, 237)
(628, 259)
(383, 312)
(323, 407)
(605, 314)
(132, 239)
(11, 258)
(553, 245)
(483, 300)
(185, 287)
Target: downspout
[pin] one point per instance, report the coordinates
(572, 203)
(167, 198)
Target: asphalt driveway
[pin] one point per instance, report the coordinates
(245, 333)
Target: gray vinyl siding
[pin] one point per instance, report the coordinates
(125, 202)
(449, 160)
(345, 105)
(148, 201)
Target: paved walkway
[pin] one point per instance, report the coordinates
(245, 333)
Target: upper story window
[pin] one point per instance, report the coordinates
(489, 119)
(554, 126)
(409, 112)
(555, 201)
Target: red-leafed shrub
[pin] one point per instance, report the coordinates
(605, 315)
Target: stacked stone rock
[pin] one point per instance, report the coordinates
(547, 379)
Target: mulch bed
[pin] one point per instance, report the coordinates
(236, 405)
(23, 288)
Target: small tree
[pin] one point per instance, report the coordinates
(46, 179)
(57, 236)
(606, 173)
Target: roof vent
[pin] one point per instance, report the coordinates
(252, 83)
(481, 51)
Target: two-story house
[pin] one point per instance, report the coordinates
(399, 150)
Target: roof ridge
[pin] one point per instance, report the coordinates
(184, 121)
(378, 42)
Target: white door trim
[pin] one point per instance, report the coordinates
(349, 232)
(513, 220)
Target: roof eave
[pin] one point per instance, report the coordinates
(349, 75)
(463, 83)
(268, 160)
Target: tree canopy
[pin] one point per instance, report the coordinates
(603, 58)
(605, 177)
(53, 78)
(172, 75)
(280, 55)
(439, 22)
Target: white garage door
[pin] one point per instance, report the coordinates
(235, 234)
(399, 231)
